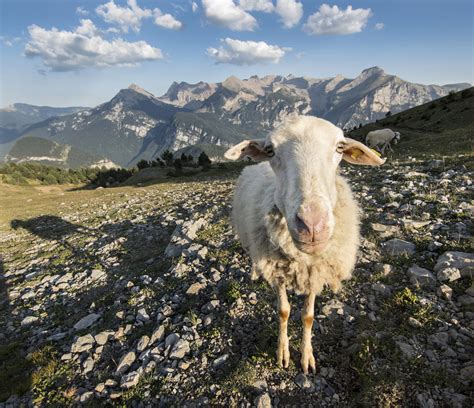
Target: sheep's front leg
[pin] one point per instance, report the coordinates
(283, 352)
(307, 315)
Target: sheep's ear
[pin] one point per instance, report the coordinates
(357, 153)
(255, 149)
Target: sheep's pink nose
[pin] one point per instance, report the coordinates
(311, 221)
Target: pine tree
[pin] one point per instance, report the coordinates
(204, 161)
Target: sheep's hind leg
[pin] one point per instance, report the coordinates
(307, 315)
(283, 352)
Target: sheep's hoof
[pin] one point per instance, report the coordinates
(283, 354)
(308, 361)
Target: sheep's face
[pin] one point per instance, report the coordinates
(304, 154)
(396, 139)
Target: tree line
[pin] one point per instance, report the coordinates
(24, 173)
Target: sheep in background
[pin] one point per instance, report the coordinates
(296, 215)
(382, 138)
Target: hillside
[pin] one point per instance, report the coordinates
(94, 311)
(37, 150)
(442, 127)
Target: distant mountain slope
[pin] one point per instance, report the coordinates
(37, 150)
(17, 117)
(117, 129)
(441, 127)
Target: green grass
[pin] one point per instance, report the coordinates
(50, 381)
(232, 291)
(15, 370)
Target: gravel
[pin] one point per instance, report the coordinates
(148, 301)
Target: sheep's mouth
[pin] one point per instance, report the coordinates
(311, 247)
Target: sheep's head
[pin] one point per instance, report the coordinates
(396, 139)
(304, 154)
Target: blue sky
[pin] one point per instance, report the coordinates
(68, 52)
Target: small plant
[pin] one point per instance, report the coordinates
(232, 291)
(52, 378)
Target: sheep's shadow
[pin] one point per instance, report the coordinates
(122, 250)
(50, 227)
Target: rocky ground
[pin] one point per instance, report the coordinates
(145, 300)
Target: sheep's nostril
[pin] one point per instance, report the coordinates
(302, 227)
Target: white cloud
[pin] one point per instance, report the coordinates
(257, 5)
(81, 11)
(300, 55)
(246, 52)
(9, 41)
(227, 14)
(166, 20)
(332, 20)
(85, 48)
(125, 17)
(194, 6)
(379, 26)
(87, 28)
(290, 12)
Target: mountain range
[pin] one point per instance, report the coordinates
(14, 119)
(137, 125)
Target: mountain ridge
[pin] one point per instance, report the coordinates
(135, 124)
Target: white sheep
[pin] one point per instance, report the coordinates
(382, 138)
(296, 215)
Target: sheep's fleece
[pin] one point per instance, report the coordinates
(263, 231)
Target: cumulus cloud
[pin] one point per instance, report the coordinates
(379, 26)
(290, 12)
(257, 5)
(166, 20)
(125, 17)
(87, 28)
(81, 11)
(194, 6)
(246, 52)
(227, 14)
(85, 48)
(332, 20)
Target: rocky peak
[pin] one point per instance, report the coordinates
(140, 90)
(233, 84)
(373, 71)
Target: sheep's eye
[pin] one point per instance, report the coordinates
(340, 148)
(269, 151)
